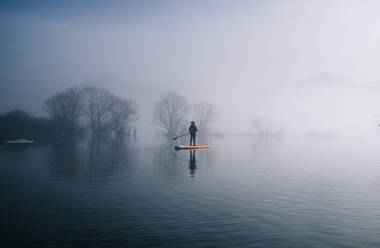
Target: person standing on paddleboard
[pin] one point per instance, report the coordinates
(193, 132)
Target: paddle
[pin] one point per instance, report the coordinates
(180, 136)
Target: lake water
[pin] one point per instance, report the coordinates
(243, 192)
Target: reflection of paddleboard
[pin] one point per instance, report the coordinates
(18, 141)
(192, 147)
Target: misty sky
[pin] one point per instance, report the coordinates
(144, 48)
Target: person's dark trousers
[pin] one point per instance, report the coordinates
(192, 139)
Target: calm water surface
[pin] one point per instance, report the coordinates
(241, 193)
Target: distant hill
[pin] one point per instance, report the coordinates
(322, 78)
(323, 103)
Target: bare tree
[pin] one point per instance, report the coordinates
(205, 114)
(66, 108)
(170, 113)
(99, 103)
(123, 114)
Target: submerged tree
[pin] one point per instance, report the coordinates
(205, 114)
(170, 113)
(99, 103)
(66, 109)
(123, 114)
(107, 113)
(99, 109)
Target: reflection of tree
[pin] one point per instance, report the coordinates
(89, 160)
(65, 158)
(169, 164)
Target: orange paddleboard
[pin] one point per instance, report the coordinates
(191, 147)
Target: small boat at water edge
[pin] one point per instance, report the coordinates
(18, 141)
(10, 141)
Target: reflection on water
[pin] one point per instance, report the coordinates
(166, 163)
(89, 159)
(259, 193)
(192, 163)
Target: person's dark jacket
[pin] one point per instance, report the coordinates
(193, 129)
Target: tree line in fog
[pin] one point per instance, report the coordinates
(93, 109)
(96, 112)
(172, 113)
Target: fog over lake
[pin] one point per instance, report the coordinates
(93, 95)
